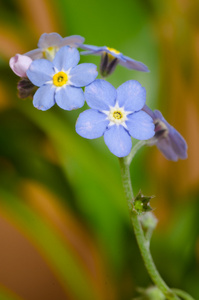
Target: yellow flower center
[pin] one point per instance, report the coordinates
(117, 115)
(60, 78)
(113, 50)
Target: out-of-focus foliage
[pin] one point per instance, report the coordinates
(64, 226)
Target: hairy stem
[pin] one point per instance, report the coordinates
(142, 242)
(182, 294)
(134, 150)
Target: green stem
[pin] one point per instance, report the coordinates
(182, 294)
(134, 150)
(142, 242)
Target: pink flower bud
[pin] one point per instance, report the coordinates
(20, 64)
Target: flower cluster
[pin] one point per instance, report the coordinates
(51, 74)
(54, 69)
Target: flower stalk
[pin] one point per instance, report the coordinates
(141, 240)
(182, 294)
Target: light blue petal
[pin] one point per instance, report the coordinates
(118, 140)
(133, 64)
(49, 39)
(44, 97)
(66, 58)
(119, 55)
(40, 71)
(166, 147)
(149, 112)
(172, 144)
(92, 49)
(140, 125)
(83, 74)
(69, 97)
(178, 143)
(92, 52)
(72, 41)
(100, 94)
(131, 95)
(91, 124)
(35, 54)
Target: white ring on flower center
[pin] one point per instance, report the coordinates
(117, 115)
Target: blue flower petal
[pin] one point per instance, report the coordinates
(168, 140)
(44, 97)
(165, 146)
(72, 41)
(123, 60)
(91, 124)
(133, 64)
(118, 55)
(156, 114)
(149, 112)
(175, 140)
(178, 143)
(118, 140)
(100, 94)
(172, 145)
(91, 52)
(140, 125)
(83, 74)
(35, 54)
(40, 71)
(66, 58)
(49, 39)
(131, 95)
(69, 97)
(92, 49)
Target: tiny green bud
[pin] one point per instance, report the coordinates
(141, 203)
(151, 293)
(148, 220)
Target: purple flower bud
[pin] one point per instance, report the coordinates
(110, 58)
(25, 88)
(108, 64)
(168, 140)
(20, 64)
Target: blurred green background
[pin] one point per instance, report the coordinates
(64, 226)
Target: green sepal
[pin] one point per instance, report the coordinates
(151, 293)
(141, 203)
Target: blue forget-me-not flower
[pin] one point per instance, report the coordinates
(168, 140)
(60, 81)
(50, 43)
(111, 57)
(115, 114)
